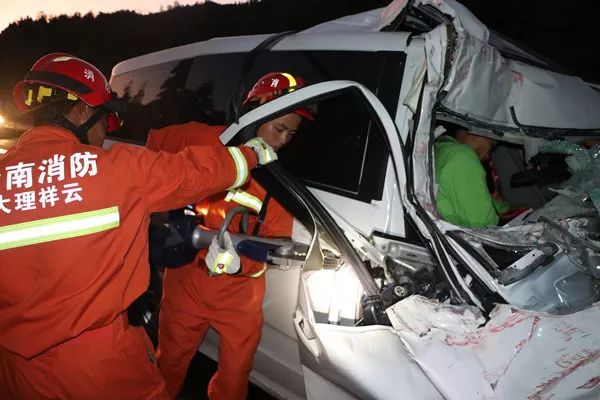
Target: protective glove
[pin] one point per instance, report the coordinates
(263, 150)
(222, 260)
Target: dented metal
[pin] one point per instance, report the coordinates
(516, 354)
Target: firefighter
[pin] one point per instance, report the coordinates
(73, 237)
(221, 289)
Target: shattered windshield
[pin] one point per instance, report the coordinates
(549, 258)
(580, 194)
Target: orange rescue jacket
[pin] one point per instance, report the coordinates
(277, 223)
(74, 228)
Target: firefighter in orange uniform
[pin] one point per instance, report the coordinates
(73, 237)
(194, 297)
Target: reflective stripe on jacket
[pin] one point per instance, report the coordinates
(278, 222)
(73, 228)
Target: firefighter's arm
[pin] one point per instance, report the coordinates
(196, 172)
(171, 180)
(152, 142)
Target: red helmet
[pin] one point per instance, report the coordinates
(273, 85)
(80, 79)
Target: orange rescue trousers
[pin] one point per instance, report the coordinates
(84, 368)
(192, 302)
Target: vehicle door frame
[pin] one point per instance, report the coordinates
(309, 347)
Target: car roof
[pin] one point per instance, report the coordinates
(337, 41)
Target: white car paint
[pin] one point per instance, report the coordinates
(431, 348)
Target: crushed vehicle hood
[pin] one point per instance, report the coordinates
(544, 357)
(521, 97)
(525, 94)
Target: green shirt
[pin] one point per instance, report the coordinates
(463, 197)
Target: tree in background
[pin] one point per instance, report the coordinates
(106, 39)
(561, 33)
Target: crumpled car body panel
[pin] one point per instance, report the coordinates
(516, 354)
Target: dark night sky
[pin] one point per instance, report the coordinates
(566, 32)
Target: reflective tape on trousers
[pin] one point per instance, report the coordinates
(57, 228)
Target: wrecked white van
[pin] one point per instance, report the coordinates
(389, 301)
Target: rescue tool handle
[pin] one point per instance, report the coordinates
(225, 224)
(202, 236)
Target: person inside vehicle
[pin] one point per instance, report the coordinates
(221, 289)
(74, 237)
(463, 197)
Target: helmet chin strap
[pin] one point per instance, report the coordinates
(82, 130)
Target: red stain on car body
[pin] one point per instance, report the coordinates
(569, 364)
